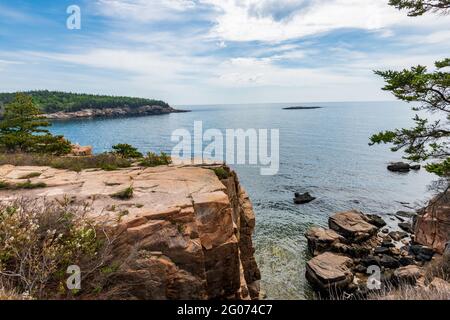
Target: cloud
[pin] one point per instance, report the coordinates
(144, 10)
(275, 21)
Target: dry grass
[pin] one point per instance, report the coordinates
(409, 292)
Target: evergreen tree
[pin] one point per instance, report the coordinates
(22, 129)
(430, 91)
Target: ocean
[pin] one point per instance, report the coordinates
(322, 151)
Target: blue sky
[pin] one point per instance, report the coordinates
(215, 51)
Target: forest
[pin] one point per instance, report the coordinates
(55, 101)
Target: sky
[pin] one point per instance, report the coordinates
(215, 51)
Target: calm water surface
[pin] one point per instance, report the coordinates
(323, 151)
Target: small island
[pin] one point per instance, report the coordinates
(301, 108)
(57, 105)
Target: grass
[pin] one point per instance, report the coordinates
(23, 185)
(124, 194)
(30, 176)
(154, 160)
(104, 161)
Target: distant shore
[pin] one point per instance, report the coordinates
(113, 113)
(302, 108)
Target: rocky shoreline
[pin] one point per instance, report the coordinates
(347, 256)
(113, 112)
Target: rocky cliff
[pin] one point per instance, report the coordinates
(432, 227)
(113, 112)
(181, 233)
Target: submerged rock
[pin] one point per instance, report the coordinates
(303, 198)
(399, 167)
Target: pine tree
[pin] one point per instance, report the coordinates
(22, 129)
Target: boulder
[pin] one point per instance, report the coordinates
(399, 167)
(370, 261)
(381, 250)
(353, 225)
(398, 235)
(320, 239)
(422, 253)
(408, 274)
(432, 227)
(81, 151)
(406, 214)
(376, 220)
(406, 261)
(407, 227)
(387, 244)
(440, 285)
(389, 262)
(329, 271)
(303, 198)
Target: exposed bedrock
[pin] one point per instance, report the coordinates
(183, 234)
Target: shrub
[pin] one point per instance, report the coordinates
(154, 160)
(40, 239)
(127, 151)
(124, 194)
(221, 173)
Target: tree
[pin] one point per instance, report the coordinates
(22, 129)
(430, 91)
(127, 151)
(419, 7)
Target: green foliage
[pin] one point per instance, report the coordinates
(52, 101)
(428, 140)
(221, 173)
(154, 160)
(23, 185)
(104, 161)
(127, 151)
(22, 129)
(124, 194)
(31, 175)
(420, 7)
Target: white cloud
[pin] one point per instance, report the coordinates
(144, 10)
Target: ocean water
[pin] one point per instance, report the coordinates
(322, 151)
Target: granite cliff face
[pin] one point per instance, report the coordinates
(183, 234)
(432, 226)
(113, 112)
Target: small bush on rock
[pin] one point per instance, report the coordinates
(154, 160)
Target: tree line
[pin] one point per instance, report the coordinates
(55, 101)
